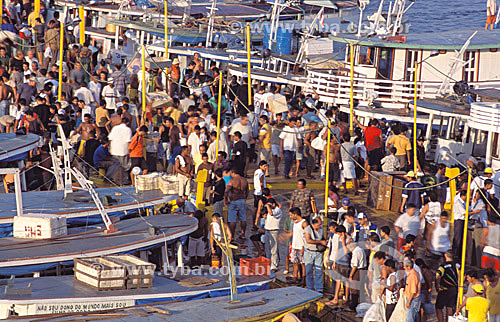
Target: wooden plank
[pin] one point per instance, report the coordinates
(385, 191)
(373, 185)
(396, 197)
(381, 190)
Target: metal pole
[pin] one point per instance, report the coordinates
(166, 30)
(61, 50)
(327, 170)
(464, 242)
(415, 168)
(218, 117)
(249, 67)
(143, 78)
(37, 9)
(81, 13)
(351, 125)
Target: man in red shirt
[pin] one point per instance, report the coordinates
(373, 143)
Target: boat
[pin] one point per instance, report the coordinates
(266, 305)
(50, 295)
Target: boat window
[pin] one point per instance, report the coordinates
(411, 60)
(385, 63)
(366, 55)
(469, 70)
(495, 146)
(479, 146)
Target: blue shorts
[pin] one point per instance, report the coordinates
(236, 211)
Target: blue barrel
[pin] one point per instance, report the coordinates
(283, 44)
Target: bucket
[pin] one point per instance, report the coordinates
(215, 261)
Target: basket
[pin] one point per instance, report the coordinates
(140, 273)
(169, 185)
(100, 273)
(148, 181)
(255, 266)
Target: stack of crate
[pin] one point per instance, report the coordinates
(381, 194)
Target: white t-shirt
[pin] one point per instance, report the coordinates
(358, 258)
(120, 137)
(273, 222)
(194, 141)
(245, 130)
(408, 225)
(289, 139)
(110, 96)
(458, 208)
(256, 182)
(333, 244)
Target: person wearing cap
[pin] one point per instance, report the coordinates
(412, 193)
(364, 228)
(478, 182)
(344, 205)
(477, 306)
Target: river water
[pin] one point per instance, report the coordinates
(442, 15)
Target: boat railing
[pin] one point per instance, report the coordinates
(336, 88)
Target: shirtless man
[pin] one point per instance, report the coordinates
(235, 197)
(6, 93)
(184, 169)
(84, 130)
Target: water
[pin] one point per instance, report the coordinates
(441, 15)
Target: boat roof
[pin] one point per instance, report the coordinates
(20, 256)
(445, 40)
(13, 147)
(491, 94)
(63, 289)
(443, 108)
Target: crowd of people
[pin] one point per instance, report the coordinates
(100, 111)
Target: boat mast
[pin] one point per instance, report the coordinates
(310, 30)
(210, 29)
(362, 6)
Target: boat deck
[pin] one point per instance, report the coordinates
(253, 306)
(53, 202)
(22, 256)
(61, 294)
(12, 145)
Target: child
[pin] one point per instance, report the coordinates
(409, 243)
(216, 234)
(390, 162)
(258, 238)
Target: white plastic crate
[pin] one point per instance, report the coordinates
(39, 226)
(169, 185)
(148, 181)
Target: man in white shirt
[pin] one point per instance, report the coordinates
(110, 95)
(259, 183)
(194, 141)
(358, 263)
(120, 136)
(288, 143)
(406, 224)
(272, 227)
(244, 128)
(95, 88)
(84, 94)
(478, 182)
(459, 221)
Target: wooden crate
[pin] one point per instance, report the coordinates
(100, 273)
(39, 226)
(139, 272)
(396, 197)
(384, 192)
(148, 181)
(169, 185)
(373, 185)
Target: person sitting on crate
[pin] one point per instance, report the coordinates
(104, 160)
